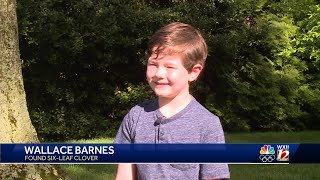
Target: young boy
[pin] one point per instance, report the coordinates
(176, 55)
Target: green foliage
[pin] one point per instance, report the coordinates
(129, 96)
(257, 78)
(306, 44)
(77, 56)
(84, 62)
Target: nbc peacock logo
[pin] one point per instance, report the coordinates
(267, 154)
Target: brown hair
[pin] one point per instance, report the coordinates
(179, 38)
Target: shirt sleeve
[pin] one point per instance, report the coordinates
(125, 132)
(214, 134)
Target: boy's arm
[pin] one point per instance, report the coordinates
(126, 172)
(214, 134)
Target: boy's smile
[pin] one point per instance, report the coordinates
(159, 84)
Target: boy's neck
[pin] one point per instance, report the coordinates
(171, 106)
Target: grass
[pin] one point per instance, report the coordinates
(238, 171)
(274, 137)
(90, 171)
(261, 172)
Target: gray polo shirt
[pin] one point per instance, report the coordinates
(194, 124)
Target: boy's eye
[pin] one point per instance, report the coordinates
(151, 64)
(171, 67)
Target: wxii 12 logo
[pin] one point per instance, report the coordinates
(267, 154)
(283, 153)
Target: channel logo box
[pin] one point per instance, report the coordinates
(267, 154)
(283, 153)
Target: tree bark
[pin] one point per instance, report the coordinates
(15, 123)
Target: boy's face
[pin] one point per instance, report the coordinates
(167, 75)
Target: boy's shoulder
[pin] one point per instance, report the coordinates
(199, 110)
(194, 110)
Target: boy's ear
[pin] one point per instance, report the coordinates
(195, 72)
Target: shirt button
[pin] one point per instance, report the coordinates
(161, 133)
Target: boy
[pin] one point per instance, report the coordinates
(176, 55)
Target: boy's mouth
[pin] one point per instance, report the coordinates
(161, 83)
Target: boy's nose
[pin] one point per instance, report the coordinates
(160, 72)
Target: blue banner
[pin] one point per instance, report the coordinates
(159, 153)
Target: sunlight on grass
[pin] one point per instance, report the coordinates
(90, 171)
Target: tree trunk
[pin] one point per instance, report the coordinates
(15, 123)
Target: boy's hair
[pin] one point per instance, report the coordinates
(179, 38)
